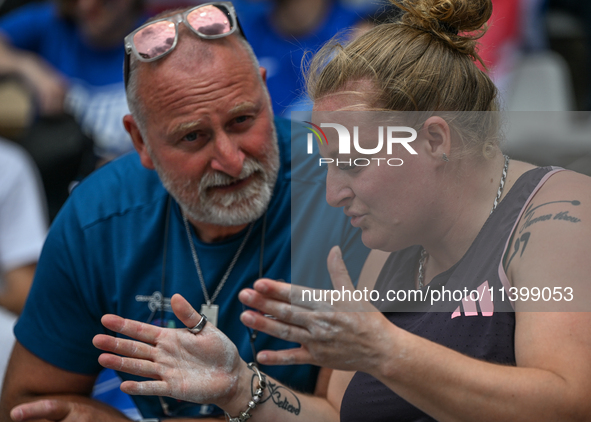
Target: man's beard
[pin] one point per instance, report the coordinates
(200, 202)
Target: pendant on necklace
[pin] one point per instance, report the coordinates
(211, 312)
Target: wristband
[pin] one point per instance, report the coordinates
(256, 398)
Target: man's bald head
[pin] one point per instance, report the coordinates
(192, 54)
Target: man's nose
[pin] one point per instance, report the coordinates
(228, 157)
(338, 192)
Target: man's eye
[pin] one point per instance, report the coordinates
(190, 137)
(241, 119)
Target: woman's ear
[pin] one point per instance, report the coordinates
(437, 133)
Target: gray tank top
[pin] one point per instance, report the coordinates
(482, 328)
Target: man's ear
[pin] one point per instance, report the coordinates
(138, 141)
(438, 135)
(263, 73)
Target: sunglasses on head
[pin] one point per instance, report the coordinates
(156, 39)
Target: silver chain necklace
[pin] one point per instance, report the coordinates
(425, 254)
(208, 308)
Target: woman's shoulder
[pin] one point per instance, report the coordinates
(567, 181)
(552, 240)
(560, 194)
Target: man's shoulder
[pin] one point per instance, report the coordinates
(299, 164)
(116, 189)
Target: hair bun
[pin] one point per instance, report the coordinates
(461, 15)
(459, 22)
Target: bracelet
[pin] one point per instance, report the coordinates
(256, 398)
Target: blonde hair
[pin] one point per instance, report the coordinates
(424, 61)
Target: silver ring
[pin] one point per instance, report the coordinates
(197, 328)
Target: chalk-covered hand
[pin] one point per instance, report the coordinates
(201, 368)
(346, 335)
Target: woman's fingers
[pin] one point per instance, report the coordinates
(273, 289)
(285, 357)
(142, 368)
(273, 327)
(338, 270)
(125, 347)
(134, 329)
(283, 311)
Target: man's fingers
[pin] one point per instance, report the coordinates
(184, 311)
(146, 388)
(134, 329)
(142, 368)
(53, 410)
(338, 271)
(297, 356)
(129, 348)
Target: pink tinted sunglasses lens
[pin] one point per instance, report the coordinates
(210, 20)
(155, 40)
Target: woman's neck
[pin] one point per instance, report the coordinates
(467, 209)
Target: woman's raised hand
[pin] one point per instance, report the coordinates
(347, 335)
(202, 368)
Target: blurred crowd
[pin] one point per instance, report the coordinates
(62, 96)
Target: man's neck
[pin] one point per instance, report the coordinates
(211, 233)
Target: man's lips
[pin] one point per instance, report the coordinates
(238, 184)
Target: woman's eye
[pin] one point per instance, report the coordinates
(345, 167)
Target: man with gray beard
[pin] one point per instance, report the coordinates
(202, 209)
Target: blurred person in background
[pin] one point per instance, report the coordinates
(283, 33)
(581, 12)
(23, 225)
(69, 54)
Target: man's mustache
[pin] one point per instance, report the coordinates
(219, 179)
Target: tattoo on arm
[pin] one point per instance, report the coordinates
(530, 218)
(523, 239)
(283, 398)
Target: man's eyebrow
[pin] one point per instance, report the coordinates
(243, 107)
(187, 126)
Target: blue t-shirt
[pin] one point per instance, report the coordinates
(105, 254)
(282, 55)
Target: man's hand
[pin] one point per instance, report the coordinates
(61, 410)
(49, 85)
(202, 368)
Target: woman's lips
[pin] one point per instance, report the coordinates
(355, 218)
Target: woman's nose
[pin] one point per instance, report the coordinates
(338, 192)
